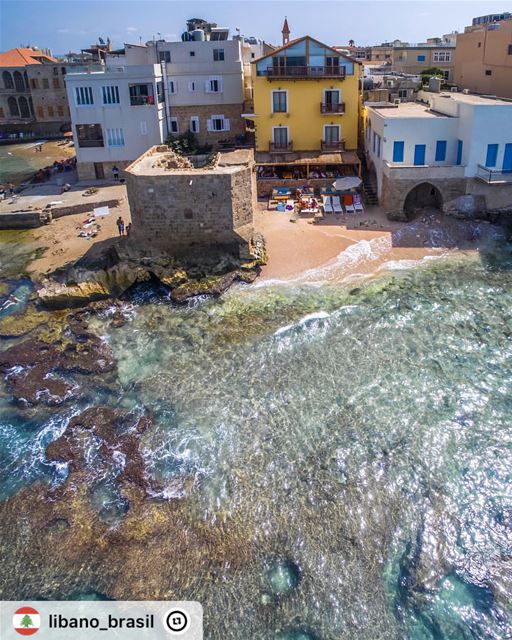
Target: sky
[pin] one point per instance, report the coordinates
(70, 25)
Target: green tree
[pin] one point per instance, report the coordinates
(430, 73)
(27, 621)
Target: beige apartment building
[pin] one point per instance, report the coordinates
(484, 59)
(414, 59)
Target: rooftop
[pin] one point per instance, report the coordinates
(405, 110)
(470, 98)
(21, 56)
(157, 160)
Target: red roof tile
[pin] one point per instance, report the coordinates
(20, 57)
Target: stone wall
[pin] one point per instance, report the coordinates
(204, 112)
(21, 220)
(185, 209)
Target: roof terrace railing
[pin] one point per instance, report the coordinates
(308, 71)
(493, 177)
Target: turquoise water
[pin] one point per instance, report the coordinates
(359, 435)
(16, 167)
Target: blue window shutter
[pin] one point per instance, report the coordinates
(492, 155)
(419, 154)
(398, 151)
(459, 152)
(441, 151)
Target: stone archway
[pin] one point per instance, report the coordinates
(19, 83)
(24, 107)
(7, 80)
(423, 196)
(14, 110)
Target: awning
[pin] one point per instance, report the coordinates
(302, 158)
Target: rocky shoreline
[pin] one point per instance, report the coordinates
(107, 272)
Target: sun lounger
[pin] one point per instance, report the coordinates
(348, 202)
(336, 204)
(358, 205)
(327, 203)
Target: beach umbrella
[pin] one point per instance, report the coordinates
(68, 134)
(344, 184)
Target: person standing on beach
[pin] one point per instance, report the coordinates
(128, 229)
(120, 226)
(115, 173)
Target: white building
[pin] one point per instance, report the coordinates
(116, 115)
(147, 93)
(430, 153)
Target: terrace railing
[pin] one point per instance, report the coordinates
(332, 108)
(307, 71)
(280, 146)
(332, 145)
(493, 177)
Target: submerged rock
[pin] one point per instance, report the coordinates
(283, 577)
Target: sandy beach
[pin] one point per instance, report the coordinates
(21, 161)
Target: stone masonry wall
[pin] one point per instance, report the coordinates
(204, 112)
(177, 212)
(86, 170)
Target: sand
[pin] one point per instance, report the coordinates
(52, 150)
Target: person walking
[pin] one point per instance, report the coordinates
(120, 226)
(128, 229)
(115, 173)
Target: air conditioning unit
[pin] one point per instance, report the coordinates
(465, 91)
(454, 89)
(397, 101)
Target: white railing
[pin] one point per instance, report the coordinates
(493, 177)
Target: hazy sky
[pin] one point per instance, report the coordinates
(70, 25)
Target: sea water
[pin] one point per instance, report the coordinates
(359, 433)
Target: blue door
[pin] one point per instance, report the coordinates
(507, 158)
(419, 154)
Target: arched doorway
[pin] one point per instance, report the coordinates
(24, 108)
(19, 83)
(7, 80)
(14, 111)
(423, 196)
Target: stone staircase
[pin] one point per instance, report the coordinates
(369, 187)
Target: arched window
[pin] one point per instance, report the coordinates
(25, 77)
(14, 111)
(31, 106)
(19, 83)
(24, 108)
(7, 78)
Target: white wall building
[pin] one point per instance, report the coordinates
(459, 144)
(116, 114)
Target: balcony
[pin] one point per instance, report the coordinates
(332, 108)
(280, 147)
(332, 145)
(493, 177)
(138, 101)
(304, 72)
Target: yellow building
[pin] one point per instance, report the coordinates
(306, 112)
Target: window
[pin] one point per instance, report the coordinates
(50, 112)
(492, 155)
(378, 145)
(446, 74)
(63, 70)
(398, 151)
(331, 134)
(488, 72)
(218, 123)
(191, 53)
(55, 71)
(280, 136)
(510, 49)
(160, 92)
(279, 101)
(115, 137)
(192, 86)
(331, 101)
(419, 154)
(218, 55)
(46, 83)
(33, 83)
(165, 56)
(479, 45)
(214, 85)
(402, 93)
(2, 114)
(194, 124)
(89, 135)
(174, 125)
(56, 83)
(441, 150)
(60, 110)
(421, 58)
(253, 55)
(83, 96)
(141, 94)
(143, 128)
(173, 86)
(459, 152)
(40, 112)
(442, 56)
(110, 94)
(374, 146)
